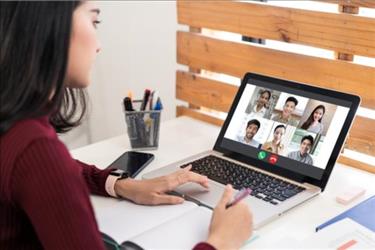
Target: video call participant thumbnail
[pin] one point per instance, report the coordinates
(286, 115)
(302, 154)
(251, 130)
(275, 146)
(260, 106)
(314, 122)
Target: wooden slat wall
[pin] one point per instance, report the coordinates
(345, 34)
(181, 110)
(236, 59)
(204, 92)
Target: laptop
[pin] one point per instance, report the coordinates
(281, 139)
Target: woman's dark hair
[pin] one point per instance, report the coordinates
(310, 120)
(279, 126)
(34, 44)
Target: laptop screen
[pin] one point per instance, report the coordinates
(285, 126)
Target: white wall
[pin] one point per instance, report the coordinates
(138, 51)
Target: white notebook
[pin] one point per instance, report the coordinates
(123, 220)
(178, 233)
(155, 227)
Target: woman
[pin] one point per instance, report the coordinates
(314, 122)
(47, 51)
(275, 146)
(260, 106)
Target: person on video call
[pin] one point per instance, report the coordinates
(286, 115)
(314, 122)
(251, 130)
(47, 52)
(260, 106)
(302, 154)
(275, 146)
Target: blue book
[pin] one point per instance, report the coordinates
(363, 213)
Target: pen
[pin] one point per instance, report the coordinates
(158, 104)
(151, 100)
(243, 193)
(155, 97)
(145, 99)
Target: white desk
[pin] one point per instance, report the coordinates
(182, 137)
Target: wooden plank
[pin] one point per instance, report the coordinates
(356, 164)
(204, 92)
(338, 32)
(355, 3)
(236, 59)
(181, 110)
(362, 136)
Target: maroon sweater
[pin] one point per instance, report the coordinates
(44, 193)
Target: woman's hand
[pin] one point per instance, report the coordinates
(230, 227)
(154, 191)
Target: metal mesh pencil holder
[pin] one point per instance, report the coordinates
(143, 129)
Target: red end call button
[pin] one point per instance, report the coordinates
(273, 159)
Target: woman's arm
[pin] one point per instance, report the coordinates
(95, 178)
(48, 186)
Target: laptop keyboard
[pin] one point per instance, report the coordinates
(263, 186)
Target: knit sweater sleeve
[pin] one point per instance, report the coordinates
(47, 184)
(95, 178)
(203, 246)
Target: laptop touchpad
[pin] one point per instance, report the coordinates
(209, 197)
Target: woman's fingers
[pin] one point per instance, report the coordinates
(167, 199)
(183, 176)
(187, 168)
(226, 197)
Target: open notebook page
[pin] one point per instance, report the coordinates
(180, 233)
(123, 220)
(183, 232)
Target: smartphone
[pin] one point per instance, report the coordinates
(132, 162)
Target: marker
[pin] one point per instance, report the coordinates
(128, 104)
(242, 194)
(145, 99)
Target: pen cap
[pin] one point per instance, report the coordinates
(128, 106)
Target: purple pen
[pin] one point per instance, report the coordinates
(243, 193)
